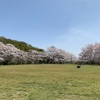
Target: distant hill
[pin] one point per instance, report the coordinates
(20, 44)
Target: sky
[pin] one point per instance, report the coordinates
(66, 24)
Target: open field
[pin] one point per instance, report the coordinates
(49, 82)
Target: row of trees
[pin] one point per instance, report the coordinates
(9, 54)
(90, 54)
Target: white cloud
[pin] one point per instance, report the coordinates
(75, 39)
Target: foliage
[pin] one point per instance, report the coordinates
(19, 44)
(9, 54)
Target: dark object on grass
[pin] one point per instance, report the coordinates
(79, 66)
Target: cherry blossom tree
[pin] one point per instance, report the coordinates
(59, 56)
(90, 53)
(9, 54)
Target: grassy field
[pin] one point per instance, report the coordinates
(49, 82)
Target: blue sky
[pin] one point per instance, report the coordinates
(66, 24)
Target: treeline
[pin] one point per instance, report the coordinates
(15, 52)
(9, 54)
(19, 44)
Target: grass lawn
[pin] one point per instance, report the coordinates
(49, 82)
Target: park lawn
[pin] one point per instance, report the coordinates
(49, 82)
